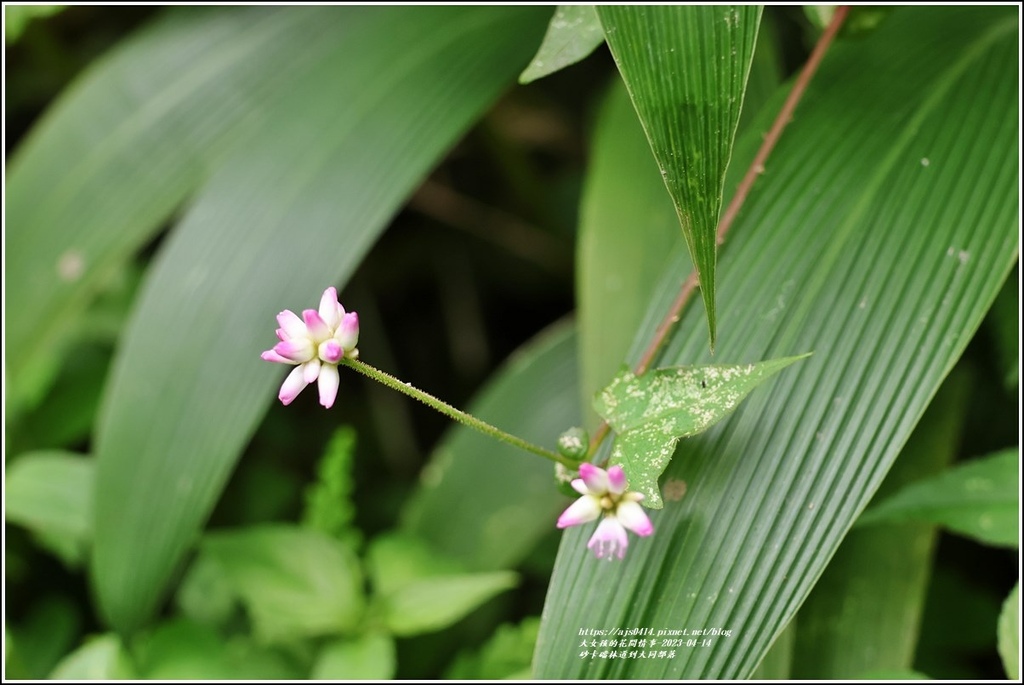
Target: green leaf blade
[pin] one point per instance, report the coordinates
(653, 411)
(978, 499)
(686, 70)
(574, 32)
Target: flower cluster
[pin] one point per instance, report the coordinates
(604, 493)
(316, 343)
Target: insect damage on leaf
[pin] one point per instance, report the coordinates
(652, 412)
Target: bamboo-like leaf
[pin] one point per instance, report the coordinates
(652, 412)
(979, 499)
(504, 499)
(573, 33)
(628, 232)
(1008, 633)
(864, 614)
(122, 148)
(282, 218)
(294, 582)
(860, 242)
(686, 68)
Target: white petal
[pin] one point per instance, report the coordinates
(292, 386)
(583, 510)
(609, 538)
(311, 370)
(329, 308)
(292, 325)
(633, 516)
(329, 382)
(595, 477)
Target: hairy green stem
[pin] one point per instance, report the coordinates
(453, 413)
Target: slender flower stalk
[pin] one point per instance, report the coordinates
(322, 339)
(453, 413)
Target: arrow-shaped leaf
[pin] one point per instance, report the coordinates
(651, 412)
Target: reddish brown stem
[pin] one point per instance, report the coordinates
(742, 190)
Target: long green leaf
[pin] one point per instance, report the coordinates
(282, 218)
(979, 499)
(485, 503)
(123, 148)
(628, 232)
(686, 69)
(864, 613)
(883, 265)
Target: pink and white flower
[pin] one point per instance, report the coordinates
(315, 344)
(604, 494)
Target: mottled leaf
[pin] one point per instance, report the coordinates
(652, 412)
(574, 32)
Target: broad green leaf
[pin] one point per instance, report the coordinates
(840, 249)
(294, 582)
(122, 148)
(506, 655)
(864, 613)
(367, 657)
(34, 645)
(686, 69)
(652, 412)
(428, 604)
(628, 232)
(485, 503)
(17, 18)
(1004, 320)
(100, 658)
(979, 499)
(281, 218)
(396, 559)
(206, 593)
(573, 33)
(183, 650)
(51, 494)
(1008, 633)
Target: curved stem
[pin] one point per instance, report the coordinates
(451, 412)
